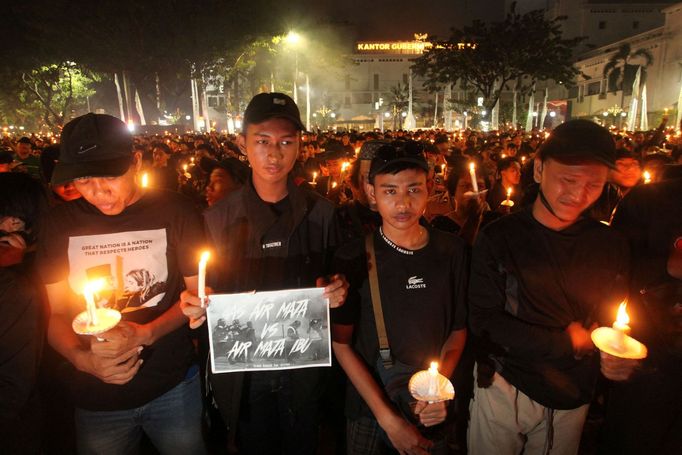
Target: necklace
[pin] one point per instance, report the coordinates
(390, 243)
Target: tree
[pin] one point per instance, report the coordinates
(619, 73)
(398, 100)
(514, 53)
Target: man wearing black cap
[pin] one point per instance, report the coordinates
(269, 235)
(141, 375)
(421, 275)
(541, 280)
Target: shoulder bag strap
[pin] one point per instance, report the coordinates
(384, 349)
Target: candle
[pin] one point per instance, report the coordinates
(89, 293)
(184, 168)
(647, 176)
(621, 326)
(509, 191)
(433, 379)
(442, 169)
(344, 166)
(314, 182)
(334, 184)
(145, 180)
(201, 287)
(523, 160)
(472, 173)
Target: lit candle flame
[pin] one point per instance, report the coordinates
(509, 192)
(647, 176)
(89, 290)
(622, 318)
(344, 166)
(334, 185)
(433, 369)
(184, 167)
(145, 180)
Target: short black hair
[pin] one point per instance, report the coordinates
(395, 168)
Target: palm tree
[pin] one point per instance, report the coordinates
(615, 71)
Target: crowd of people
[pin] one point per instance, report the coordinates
(495, 254)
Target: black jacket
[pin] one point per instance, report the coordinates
(267, 247)
(528, 283)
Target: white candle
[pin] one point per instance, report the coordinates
(201, 287)
(621, 327)
(472, 173)
(89, 294)
(433, 379)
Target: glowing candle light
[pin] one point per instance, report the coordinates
(647, 176)
(344, 166)
(314, 182)
(472, 173)
(89, 291)
(145, 180)
(184, 168)
(523, 160)
(433, 379)
(621, 326)
(442, 169)
(201, 287)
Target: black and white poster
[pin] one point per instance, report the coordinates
(273, 330)
(132, 264)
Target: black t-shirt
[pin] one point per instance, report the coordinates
(142, 254)
(528, 283)
(423, 296)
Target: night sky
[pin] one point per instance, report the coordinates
(400, 19)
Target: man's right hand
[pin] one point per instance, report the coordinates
(405, 437)
(192, 307)
(580, 338)
(118, 370)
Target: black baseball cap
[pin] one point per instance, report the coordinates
(387, 156)
(265, 106)
(580, 140)
(93, 145)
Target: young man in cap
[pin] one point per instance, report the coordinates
(541, 280)
(269, 235)
(422, 287)
(140, 376)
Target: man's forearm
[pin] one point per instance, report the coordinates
(452, 351)
(364, 382)
(164, 324)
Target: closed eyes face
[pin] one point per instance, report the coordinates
(571, 189)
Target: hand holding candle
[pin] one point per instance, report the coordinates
(429, 385)
(94, 321)
(616, 340)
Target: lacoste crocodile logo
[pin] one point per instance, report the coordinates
(414, 282)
